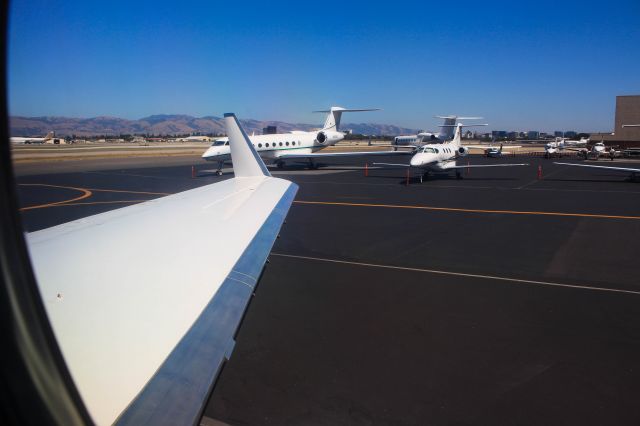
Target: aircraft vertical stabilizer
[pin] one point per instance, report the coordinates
(246, 161)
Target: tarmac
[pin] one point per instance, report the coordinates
(500, 298)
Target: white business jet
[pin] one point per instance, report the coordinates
(296, 145)
(141, 339)
(561, 144)
(445, 133)
(442, 157)
(30, 140)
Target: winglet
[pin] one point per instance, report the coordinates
(246, 161)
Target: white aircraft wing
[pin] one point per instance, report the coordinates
(492, 146)
(392, 164)
(619, 169)
(342, 154)
(486, 165)
(144, 301)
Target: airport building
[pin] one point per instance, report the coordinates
(627, 112)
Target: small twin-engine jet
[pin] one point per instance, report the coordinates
(442, 157)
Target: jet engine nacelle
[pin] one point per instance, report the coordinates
(325, 137)
(425, 136)
(462, 151)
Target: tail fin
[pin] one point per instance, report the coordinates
(446, 130)
(50, 135)
(457, 137)
(246, 161)
(332, 122)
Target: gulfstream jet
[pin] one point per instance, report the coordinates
(442, 157)
(445, 133)
(27, 140)
(140, 316)
(296, 145)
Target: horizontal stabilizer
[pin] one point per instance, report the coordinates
(463, 125)
(455, 117)
(348, 109)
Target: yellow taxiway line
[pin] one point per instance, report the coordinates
(85, 194)
(454, 209)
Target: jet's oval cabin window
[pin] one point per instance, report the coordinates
(267, 144)
(280, 143)
(287, 143)
(259, 145)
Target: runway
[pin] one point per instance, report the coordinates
(497, 299)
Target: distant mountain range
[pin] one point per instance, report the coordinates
(170, 125)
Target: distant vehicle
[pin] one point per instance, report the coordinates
(296, 145)
(631, 152)
(442, 157)
(49, 138)
(195, 139)
(445, 133)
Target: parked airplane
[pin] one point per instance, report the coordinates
(140, 339)
(635, 173)
(296, 145)
(445, 133)
(492, 151)
(27, 140)
(560, 144)
(442, 157)
(581, 142)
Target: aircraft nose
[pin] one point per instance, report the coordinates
(416, 161)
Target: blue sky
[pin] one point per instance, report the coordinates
(547, 65)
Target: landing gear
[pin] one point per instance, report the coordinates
(220, 165)
(424, 176)
(458, 174)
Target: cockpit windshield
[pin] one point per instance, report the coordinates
(428, 150)
(219, 143)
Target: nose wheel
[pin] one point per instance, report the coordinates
(220, 165)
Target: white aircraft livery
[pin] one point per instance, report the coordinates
(28, 140)
(442, 157)
(296, 145)
(143, 312)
